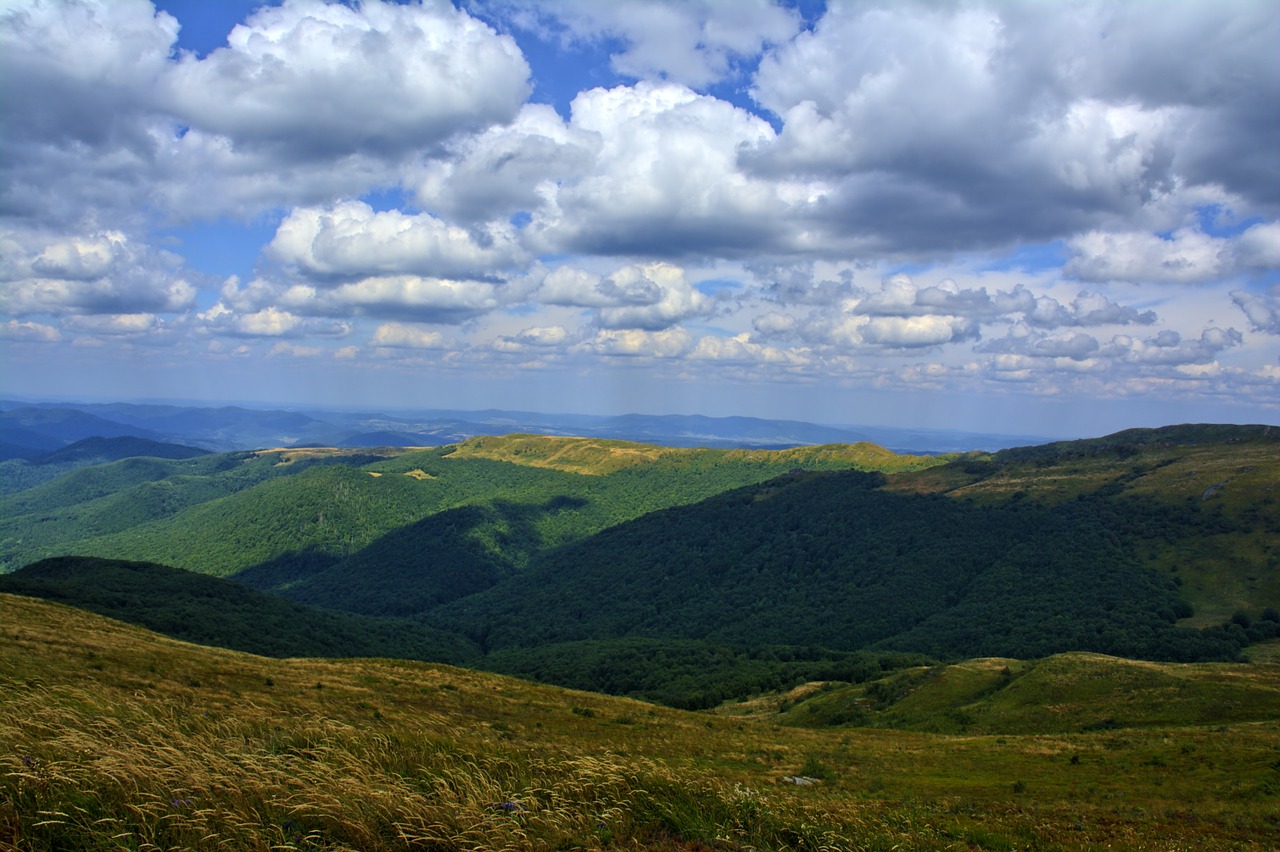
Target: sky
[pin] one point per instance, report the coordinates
(1032, 218)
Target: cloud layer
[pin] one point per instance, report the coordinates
(1078, 200)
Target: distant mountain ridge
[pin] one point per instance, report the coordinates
(32, 429)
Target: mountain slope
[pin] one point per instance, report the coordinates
(211, 611)
(1229, 473)
(116, 737)
(99, 450)
(830, 559)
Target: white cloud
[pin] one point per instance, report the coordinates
(910, 332)
(269, 321)
(31, 331)
(741, 349)
(649, 296)
(105, 273)
(1262, 309)
(1259, 246)
(413, 297)
(1169, 349)
(1024, 341)
(653, 297)
(324, 79)
(1187, 256)
(350, 240)
(309, 101)
(670, 343)
(948, 127)
(398, 335)
(774, 324)
(550, 336)
(665, 181)
(506, 168)
(294, 350)
(114, 324)
(694, 42)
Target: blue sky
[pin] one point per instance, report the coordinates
(998, 216)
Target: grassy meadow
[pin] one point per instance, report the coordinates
(115, 738)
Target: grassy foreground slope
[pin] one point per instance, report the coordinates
(116, 738)
(1073, 692)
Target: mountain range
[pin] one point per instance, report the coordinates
(601, 563)
(31, 429)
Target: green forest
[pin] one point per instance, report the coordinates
(688, 577)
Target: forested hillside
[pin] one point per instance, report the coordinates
(691, 576)
(835, 561)
(210, 611)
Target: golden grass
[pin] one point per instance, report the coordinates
(114, 738)
(599, 457)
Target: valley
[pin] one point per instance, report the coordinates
(533, 641)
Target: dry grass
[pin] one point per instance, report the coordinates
(598, 457)
(113, 738)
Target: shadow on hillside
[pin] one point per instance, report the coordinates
(417, 567)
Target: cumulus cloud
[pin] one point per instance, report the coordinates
(398, 335)
(694, 43)
(81, 72)
(1169, 348)
(665, 180)
(651, 296)
(803, 283)
(507, 168)
(100, 273)
(634, 342)
(1186, 256)
(944, 127)
(1022, 340)
(29, 331)
(413, 297)
(323, 79)
(742, 349)
(114, 324)
(1087, 309)
(550, 336)
(350, 240)
(1262, 309)
(270, 321)
(308, 100)
(902, 315)
(912, 332)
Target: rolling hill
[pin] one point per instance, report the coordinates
(209, 611)
(546, 551)
(116, 737)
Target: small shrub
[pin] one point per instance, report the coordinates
(814, 768)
